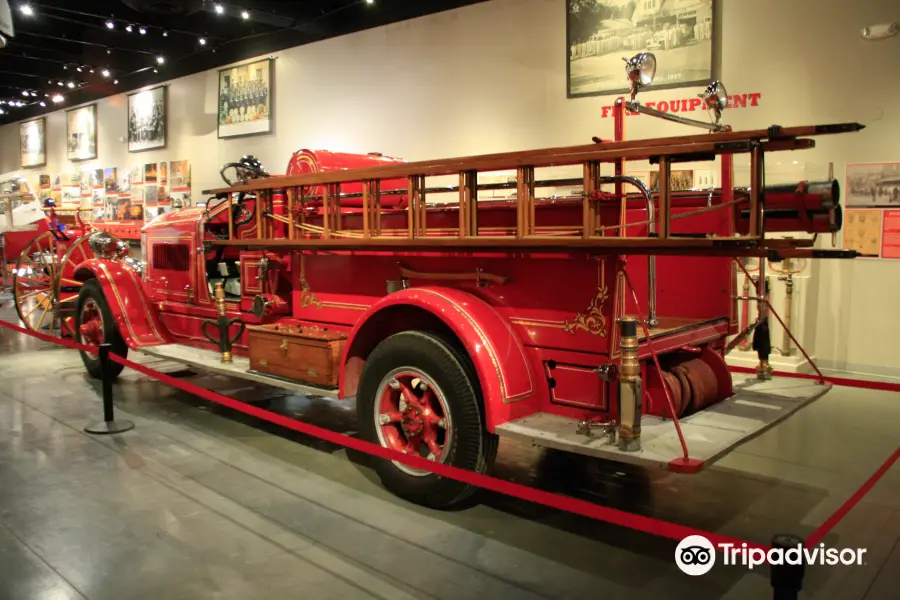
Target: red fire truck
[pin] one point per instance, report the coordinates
(586, 313)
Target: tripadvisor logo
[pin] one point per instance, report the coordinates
(696, 555)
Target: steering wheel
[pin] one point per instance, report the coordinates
(246, 169)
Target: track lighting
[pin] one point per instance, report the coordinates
(219, 9)
(202, 41)
(115, 82)
(160, 59)
(142, 31)
(245, 15)
(70, 85)
(129, 28)
(24, 92)
(57, 98)
(42, 103)
(165, 34)
(110, 25)
(105, 72)
(26, 10)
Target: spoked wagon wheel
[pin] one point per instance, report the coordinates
(418, 394)
(34, 284)
(67, 287)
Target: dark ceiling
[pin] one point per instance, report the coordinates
(67, 47)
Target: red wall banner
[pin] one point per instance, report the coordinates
(691, 104)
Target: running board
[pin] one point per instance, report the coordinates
(208, 360)
(709, 434)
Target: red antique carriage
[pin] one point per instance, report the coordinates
(593, 320)
(39, 259)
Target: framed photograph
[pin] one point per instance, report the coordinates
(873, 184)
(147, 119)
(33, 143)
(245, 105)
(600, 33)
(81, 133)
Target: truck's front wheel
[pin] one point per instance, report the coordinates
(418, 394)
(94, 325)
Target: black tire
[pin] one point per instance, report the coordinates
(91, 290)
(471, 446)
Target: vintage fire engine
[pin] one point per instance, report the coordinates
(593, 321)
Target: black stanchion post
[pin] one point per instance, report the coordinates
(787, 579)
(109, 423)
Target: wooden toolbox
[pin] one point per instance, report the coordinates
(300, 353)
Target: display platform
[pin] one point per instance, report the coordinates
(710, 434)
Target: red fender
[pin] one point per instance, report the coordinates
(138, 323)
(500, 360)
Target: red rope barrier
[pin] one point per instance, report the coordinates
(613, 516)
(841, 381)
(583, 508)
(819, 534)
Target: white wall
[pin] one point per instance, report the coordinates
(492, 77)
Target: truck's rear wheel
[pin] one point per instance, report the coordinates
(419, 394)
(95, 325)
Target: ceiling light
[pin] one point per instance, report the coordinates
(60, 83)
(42, 103)
(219, 9)
(142, 31)
(1, 112)
(160, 59)
(115, 82)
(57, 98)
(92, 71)
(129, 28)
(78, 69)
(70, 84)
(24, 92)
(156, 70)
(110, 25)
(65, 67)
(109, 50)
(370, 1)
(26, 10)
(245, 15)
(202, 41)
(165, 34)
(105, 72)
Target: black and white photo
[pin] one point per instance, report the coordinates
(600, 33)
(33, 143)
(147, 119)
(245, 99)
(873, 184)
(81, 133)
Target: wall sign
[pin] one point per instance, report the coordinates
(690, 104)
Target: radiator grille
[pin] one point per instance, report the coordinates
(171, 257)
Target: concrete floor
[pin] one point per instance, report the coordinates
(201, 502)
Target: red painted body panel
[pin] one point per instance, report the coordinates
(137, 321)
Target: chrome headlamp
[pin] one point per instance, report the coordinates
(641, 69)
(715, 98)
(103, 245)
